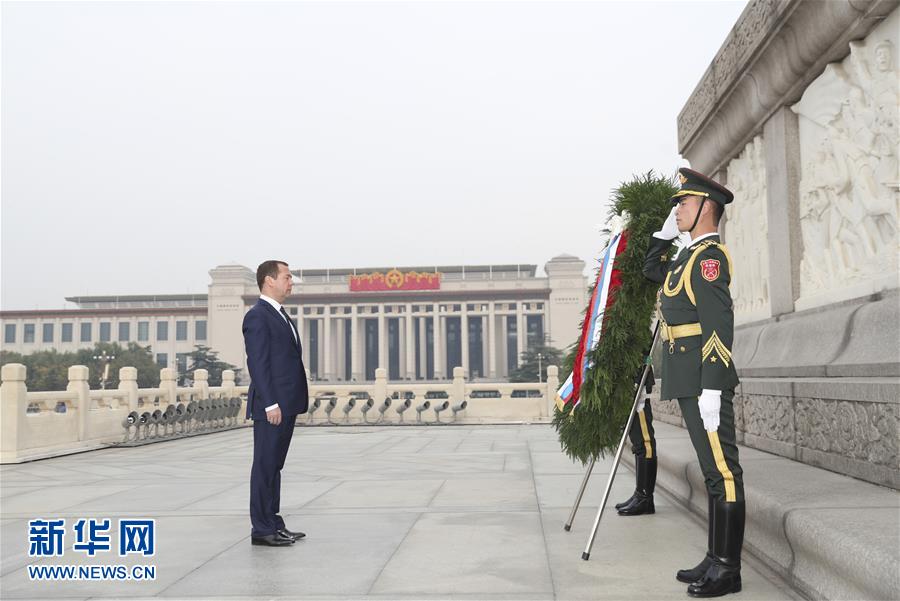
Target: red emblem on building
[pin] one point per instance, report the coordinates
(395, 280)
(709, 269)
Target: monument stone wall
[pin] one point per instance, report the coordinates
(798, 115)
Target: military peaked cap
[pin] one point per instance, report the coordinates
(694, 183)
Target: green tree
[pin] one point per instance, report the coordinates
(46, 370)
(49, 370)
(528, 369)
(203, 357)
(132, 355)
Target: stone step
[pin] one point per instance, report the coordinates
(828, 535)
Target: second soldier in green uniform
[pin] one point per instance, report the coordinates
(697, 324)
(643, 445)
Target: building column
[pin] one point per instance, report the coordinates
(401, 348)
(382, 338)
(485, 345)
(464, 338)
(500, 340)
(520, 333)
(303, 328)
(320, 349)
(301, 323)
(423, 348)
(781, 136)
(410, 344)
(339, 363)
(492, 341)
(438, 344)
(356, 372)
(327, 346)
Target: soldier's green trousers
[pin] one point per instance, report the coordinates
(716, 451)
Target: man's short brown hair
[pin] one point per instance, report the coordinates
(267, 268)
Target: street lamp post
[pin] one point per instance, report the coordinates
(540, 368)
(106, 359)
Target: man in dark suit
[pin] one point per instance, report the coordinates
(278, 393)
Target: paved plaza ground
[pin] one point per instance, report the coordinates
(439, 512)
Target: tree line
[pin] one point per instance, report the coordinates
(48, 370)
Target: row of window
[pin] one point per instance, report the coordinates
(373, 309)
(86, 331)
(162, 360)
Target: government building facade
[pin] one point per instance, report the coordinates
(416, 322)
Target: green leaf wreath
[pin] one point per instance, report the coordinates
(595, 426)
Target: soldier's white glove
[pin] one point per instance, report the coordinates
(710, 402)
(669, 229)
(640, 405)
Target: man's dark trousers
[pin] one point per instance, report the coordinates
(270, 448)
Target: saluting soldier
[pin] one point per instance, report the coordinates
(697, 324)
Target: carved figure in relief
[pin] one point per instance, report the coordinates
(815, 215)
(880, 109)
(747, 225)
(849, 184)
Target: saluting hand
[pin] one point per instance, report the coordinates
(669, 230)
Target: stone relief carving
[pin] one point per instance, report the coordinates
(750, 30)
(769, 417)
(746, 231)
(849, 182)
(863, 431)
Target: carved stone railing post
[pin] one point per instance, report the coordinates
(380, 384)
(228, 384)
(201, 381)
(128, 383)
(167, 384)
(13, 404)
(459, 385)
(552, 387)
(78, 383)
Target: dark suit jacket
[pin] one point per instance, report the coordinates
(275, 362)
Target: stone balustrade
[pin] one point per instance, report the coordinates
(35, 425)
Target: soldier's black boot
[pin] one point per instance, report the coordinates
(694, 574)
(642, 500)
(630, 499)
(724, 575)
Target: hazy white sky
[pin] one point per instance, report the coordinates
(145, 143)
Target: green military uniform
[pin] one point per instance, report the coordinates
(697, 329)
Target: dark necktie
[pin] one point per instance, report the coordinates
(288, 320)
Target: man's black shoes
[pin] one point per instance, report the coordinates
(294, 536)
(272, 540)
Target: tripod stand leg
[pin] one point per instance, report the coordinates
(612, 472)
(584, 482)
(609, 482)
